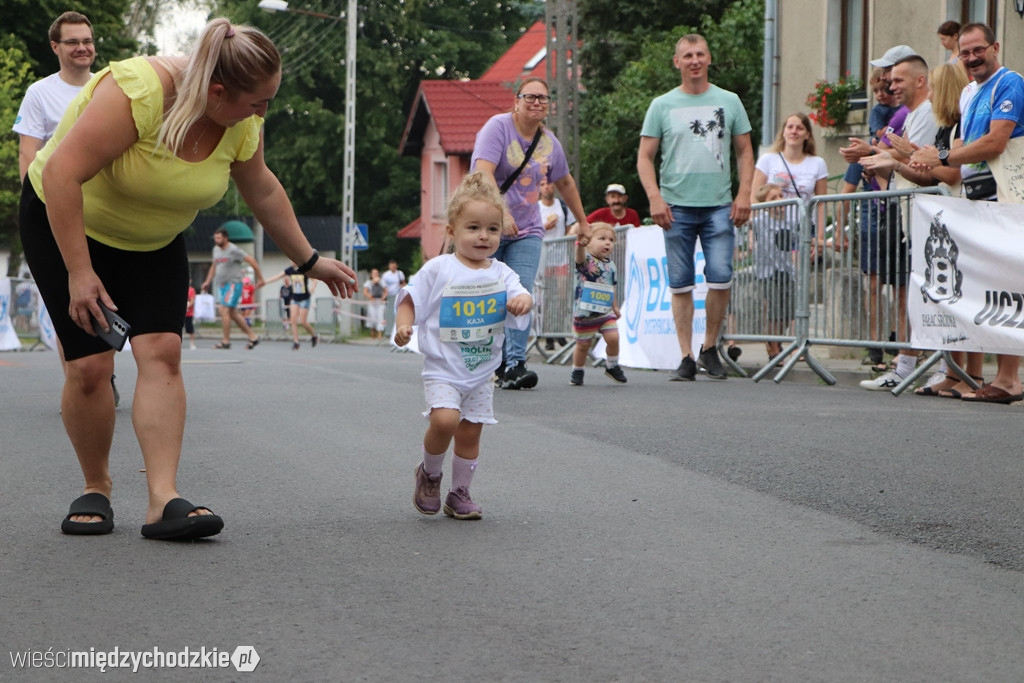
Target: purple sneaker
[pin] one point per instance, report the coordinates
(427, 497)
(459, 505)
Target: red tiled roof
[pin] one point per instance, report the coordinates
(413, 231)
(458, 108)
(521, 60)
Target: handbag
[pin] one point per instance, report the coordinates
(980, 185)
(204, 308)
(983, 185)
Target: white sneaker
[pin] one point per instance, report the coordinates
(886, 382)
(936, 378)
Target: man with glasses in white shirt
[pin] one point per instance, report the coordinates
(993, 139)
(45, 100)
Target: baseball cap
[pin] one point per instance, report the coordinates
(615, 187)
(893, 55)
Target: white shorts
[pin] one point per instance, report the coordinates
(476, 405)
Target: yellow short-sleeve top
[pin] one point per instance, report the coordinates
(147, 196)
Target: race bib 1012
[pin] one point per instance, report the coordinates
(472, 312)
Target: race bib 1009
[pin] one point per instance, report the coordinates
(472, 312)
(596, 297)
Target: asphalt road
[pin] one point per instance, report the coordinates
(656, 531)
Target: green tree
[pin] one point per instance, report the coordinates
(398, 45)
(15, 77)
(613, 111)
(26, 56)
(614, 33)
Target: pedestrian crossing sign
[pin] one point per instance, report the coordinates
(361, 237)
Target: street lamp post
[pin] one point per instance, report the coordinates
(348, 226)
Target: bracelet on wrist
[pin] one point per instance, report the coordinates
(305, 267)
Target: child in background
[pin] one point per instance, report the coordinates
(376, 293)
(775, 241)
(190, 309)
(595, 309)
(461, 303)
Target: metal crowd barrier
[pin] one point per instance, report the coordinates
(786, 290)
(846, 294)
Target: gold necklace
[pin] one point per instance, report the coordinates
(195, 145)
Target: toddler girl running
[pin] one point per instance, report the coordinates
(595, 309)
(461, 303)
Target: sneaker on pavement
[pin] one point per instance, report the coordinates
(734, 352)
(314, 341)
(936, 378)
(708, 359)
(427, 496)
(459, 505)
(686, 372)
(616, 374)
(576, 378)
(886, 382)
(518, 377)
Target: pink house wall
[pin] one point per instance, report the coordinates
(434, 197)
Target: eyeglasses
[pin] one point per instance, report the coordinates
(75, 43)
(531, 98)
(976, 52)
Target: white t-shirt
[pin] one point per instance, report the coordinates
(392, 280)
(920, 126)
(806, 174)
(560, 226)
(45, 102)
(479, 295)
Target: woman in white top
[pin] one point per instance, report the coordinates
(792, 165)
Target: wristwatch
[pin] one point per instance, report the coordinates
(944, 157)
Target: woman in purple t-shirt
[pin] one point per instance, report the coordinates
(499, 151)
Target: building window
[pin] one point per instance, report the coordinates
(439, 186)
(978, 11)
(853, 51)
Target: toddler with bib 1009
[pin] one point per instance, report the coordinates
(595, 309)
(460, 303)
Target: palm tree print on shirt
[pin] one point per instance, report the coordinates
(713, 133)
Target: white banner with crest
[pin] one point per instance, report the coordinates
(966, 290)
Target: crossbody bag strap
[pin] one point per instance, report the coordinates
(791, 178)
(526, 159)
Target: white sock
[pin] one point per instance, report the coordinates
(462, 472)
(577, 367)
(905, 364)
(433, 464)
(611, 361)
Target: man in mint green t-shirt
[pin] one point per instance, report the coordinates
(697, 126)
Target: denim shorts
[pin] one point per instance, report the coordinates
(717, 239)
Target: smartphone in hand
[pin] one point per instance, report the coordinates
(119, 329)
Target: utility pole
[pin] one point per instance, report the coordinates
(562, 77)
